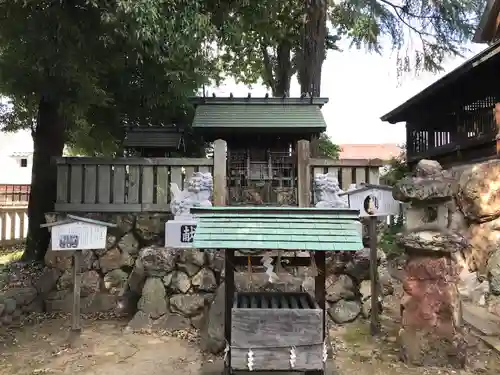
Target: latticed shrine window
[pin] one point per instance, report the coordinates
(254, 166)
(262, 175)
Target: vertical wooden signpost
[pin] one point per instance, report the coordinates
(373, 201)
(73, 235)
(496, 113)
(375, 314)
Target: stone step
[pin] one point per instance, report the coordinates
(481, 320)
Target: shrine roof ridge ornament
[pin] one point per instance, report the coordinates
(258, 101)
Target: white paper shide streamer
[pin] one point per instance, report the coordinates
(293, 357)
(250, 360)
(313, 268)
(325, 352)
(226, 352)
(267, 262)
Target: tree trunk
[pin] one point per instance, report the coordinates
(48, 139)
(283, 70)
(278, 74)
(313, 48)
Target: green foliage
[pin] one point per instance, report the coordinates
(327, 148)
(78, 71)
(432, 29)
(109, 64)
(398, 169)
(264, 40)
(387, 239)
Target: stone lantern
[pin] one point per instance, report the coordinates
(430, 308)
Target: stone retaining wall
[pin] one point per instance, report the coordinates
(160, 288)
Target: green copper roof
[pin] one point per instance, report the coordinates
(280, 228)
(304, 116)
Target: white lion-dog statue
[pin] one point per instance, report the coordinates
(327, 190)
(198, 193)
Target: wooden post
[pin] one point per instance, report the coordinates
(372, 233)
(77, 280)
(496, 113)
(230, 291)
(220, 199)
(303, 174)
(219, 173)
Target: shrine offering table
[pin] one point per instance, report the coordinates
(280, 331)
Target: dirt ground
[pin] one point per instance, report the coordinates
(103, 348)
(40, 346)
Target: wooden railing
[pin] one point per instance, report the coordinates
(13, 224)
(132, 184)
(348, 171)
(143, 184)
(14, 194)
(123, 184)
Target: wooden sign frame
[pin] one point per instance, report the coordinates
(77, 252)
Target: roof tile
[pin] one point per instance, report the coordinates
(281, 228)
(383, 151)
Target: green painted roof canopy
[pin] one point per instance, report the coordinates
(260, 113)
(277, 228)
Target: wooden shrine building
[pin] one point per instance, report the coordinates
(153, 141)
(261, 136)
(453, 120)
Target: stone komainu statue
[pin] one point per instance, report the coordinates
(198, 193)
(327, 190)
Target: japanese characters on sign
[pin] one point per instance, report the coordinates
(180, 233)
(69, 241)
(78, 236)
(187, 233)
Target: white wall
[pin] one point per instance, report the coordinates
(21, 145)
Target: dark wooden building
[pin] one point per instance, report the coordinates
(153, 141)
(261, 136)
(453, 120)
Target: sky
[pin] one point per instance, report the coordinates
(361, 87)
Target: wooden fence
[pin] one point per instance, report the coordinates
(143, 184)
(129, 184)
(348, 171)
(14, 194)
(13, 224)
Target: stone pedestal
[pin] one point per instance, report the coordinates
(430, 334)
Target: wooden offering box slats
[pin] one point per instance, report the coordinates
(271, 324)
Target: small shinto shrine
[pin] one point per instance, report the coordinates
(370, 199)
(280, 331)
(153, 141)
(261, 136)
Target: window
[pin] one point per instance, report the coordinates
(24, 163)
